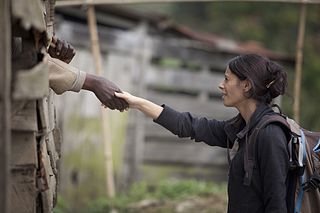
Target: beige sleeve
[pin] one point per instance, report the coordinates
(64, 77)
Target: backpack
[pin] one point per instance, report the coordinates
(304, 152)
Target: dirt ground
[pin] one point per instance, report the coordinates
(212, 204)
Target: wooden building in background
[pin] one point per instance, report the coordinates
(150, 56)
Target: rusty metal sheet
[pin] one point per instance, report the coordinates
(30, 13)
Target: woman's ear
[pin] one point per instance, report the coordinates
(246, 85)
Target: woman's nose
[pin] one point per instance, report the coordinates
(221, 86)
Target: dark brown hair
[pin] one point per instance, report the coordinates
(268, 78)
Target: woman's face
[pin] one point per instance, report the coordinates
(233, 90)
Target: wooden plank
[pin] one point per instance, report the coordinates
(125, 43)
(49, 196)
(133, 162)
(103, 18)
(16, 106)
(26, 118)
(191, 153)
(106, 138)
(23, 190)
(183, 80)
(43, 108)
(5, 102)
(129, 156)
(299, 61)
(57, 140)
(47, 183)
(51, 111)
(52, 152)
(210, 109)
(61, 3)
(153, 172)
(185, 51)
(24, 149)
(192, 52)
(153, 130)
(47, 115)
(32, 83)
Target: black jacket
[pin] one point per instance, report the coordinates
(267, 191)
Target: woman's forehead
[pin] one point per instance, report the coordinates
(228, 71)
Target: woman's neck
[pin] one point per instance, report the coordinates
(247, 108)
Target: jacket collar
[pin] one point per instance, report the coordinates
(237, 127)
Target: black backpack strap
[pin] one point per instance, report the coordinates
(249, 148)
(228, 151)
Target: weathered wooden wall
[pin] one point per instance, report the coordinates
(5, 82)
(190, 86)
(181, 73)
(35, 139)
(35, 155)
(135, 62)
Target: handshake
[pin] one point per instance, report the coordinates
(105, 92)
(64, 77)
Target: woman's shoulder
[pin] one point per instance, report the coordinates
(273, 134)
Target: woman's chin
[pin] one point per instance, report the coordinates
(226, 104)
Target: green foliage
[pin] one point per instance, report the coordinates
(166, 191)
(181, 189)
(61, 206)
(84, 164)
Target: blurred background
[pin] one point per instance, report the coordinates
(173, 54)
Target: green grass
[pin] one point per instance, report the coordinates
(164, 192)
(86, 158)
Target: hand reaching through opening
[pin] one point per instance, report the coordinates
(61, 50)
(105, 92)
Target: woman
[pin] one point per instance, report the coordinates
(251, 83)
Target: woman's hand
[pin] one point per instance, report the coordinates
(132, 100)
(149, 108)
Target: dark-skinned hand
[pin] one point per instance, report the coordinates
(61, 50)
(104, 90)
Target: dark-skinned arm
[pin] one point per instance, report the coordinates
(104, 91)
(64, 77)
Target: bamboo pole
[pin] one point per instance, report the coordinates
(299, 60)
(5, 104)
(60, 3)
(105, 125)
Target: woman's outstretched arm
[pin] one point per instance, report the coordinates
(149, 108)
(180, 124)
